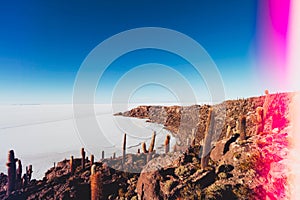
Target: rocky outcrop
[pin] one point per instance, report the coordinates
(250, 168)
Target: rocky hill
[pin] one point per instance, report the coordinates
(247, 161)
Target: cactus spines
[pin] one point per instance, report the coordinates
(11, 172)
(82, 158)
(144, 148)
(242, 122)
(208, 137)
(102, 155)
(124, 149)
(92, 159)
(167, 144)
(96, 184)
(72, 165)
(152, 143)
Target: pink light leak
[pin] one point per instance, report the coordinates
(294, 74)
(273, 22)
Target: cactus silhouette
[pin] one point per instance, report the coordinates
(208, 137)
(11, 172)
(92, 159)
(29, 172)
(124, 149)
(82, 158)
(102, 155)
(19, 174)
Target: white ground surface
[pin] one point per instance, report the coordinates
(44, 134)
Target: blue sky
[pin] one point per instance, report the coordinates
(43, 43)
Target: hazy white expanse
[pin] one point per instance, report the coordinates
(44, 134)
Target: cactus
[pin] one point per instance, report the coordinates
(188, 142)
(96, 184)
(242, 122)
(92, 160)
(124, 149)
(11, 172)
(102, 155)
(208, 137)
(236, 130)
(259, 120)
(193, 143)
(82, 158)
(149, 156)
(29, 173)
(167, 144)
(144, 148)
(266, 104)
(24, 180)
(228, 131)
(72, 165)
(19, 174)
(152, 143)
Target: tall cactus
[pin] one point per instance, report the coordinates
(152, 143)
(102, 155)
(144, 148)
(29, 172)
(266, 104)
(19, 174)
(72, 165)
(96, 184)
(242, 122)
(167, 144)
(92, 159)
(11, 172)
(259, 120)
(228, 131)
(82, 158)
(208, 137)
(124, 149)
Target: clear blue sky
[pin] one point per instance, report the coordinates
(43, 43)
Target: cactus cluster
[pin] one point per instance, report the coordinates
(151, 150)
(14, 174)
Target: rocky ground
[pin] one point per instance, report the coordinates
(252, 168)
